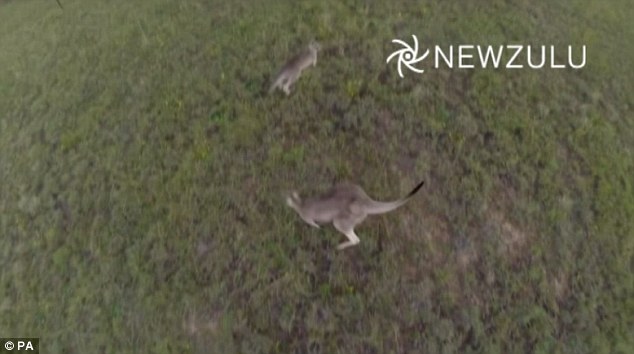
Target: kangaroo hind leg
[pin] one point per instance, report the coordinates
(346, 227)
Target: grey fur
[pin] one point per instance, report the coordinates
(292, 70)
(346, 206)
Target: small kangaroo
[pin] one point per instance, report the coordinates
(291, 71)
(345, 205)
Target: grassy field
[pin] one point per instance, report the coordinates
(143, 171)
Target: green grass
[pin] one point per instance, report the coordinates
(143, 171)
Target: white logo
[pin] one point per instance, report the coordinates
(9, 345)
(407, 56)
(475, 56)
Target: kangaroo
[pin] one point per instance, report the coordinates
(346, 206)
(291, 71)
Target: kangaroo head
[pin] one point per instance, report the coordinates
(314, 45)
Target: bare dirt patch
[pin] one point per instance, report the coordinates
(195, 324)
(513, 239)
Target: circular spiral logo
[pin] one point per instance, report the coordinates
(407, 56)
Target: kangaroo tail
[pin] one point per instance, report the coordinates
(375, 207)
